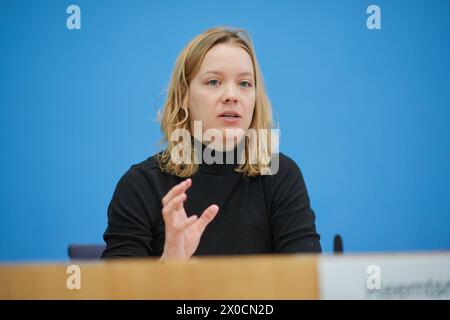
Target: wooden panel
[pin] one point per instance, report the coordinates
(249, 277)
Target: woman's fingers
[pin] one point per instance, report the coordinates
(207, 216)
(174, 204)
(173, 201)
(176, 190)
(188, 222)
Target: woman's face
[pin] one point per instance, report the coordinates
(222, 93)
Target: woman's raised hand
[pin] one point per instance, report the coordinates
(182, 233)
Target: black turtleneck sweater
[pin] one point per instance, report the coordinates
(263, 214)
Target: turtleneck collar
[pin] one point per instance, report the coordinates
(220, 164)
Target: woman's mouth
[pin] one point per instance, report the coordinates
(230, 118)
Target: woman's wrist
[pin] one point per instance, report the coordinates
(173, 253)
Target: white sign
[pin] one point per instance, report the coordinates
(388, 276)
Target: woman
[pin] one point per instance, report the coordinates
(191, 199)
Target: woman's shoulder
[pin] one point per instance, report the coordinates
(150, 164)
(285, 171)
(286, 161)
(282, 165)
(288, 179)
(145, 170)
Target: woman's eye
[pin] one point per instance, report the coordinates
(245, 84)
(213, 82)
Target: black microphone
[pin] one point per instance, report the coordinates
(338, 247)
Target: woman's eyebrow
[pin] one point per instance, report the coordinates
(221, 73)
(246, 74)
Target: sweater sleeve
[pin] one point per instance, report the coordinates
(292, 219)
(129, 231)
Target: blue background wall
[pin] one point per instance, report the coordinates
(365, 113)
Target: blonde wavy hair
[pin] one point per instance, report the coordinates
(175, 113)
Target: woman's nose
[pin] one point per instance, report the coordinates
(230, 96)
(231, 100)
